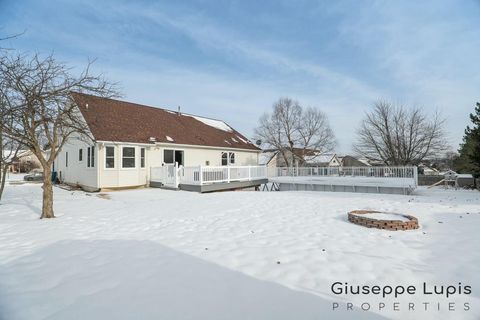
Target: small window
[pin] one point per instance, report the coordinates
(66, 159)
(142, 157)
(168, 156)
(80, 154)
(90, 157)
(224, 158)
(231, 155)
(110, 157)
(128, 157)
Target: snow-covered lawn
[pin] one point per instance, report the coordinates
(157, 254)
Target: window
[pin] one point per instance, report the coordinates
(172, 156)
(80, 154)
(90, 157)
(224, 158)
(168, 156)
(110, 157)
(142, 157)
(228, 158)
(66, 159)
(128, 157)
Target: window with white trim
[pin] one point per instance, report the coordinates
(224, 158)
(142, 157)
(90, 157)
(80, 155)
(228, 158)
(66, 159)
(128, 157)
(109, 157)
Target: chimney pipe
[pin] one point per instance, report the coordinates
(178, 112)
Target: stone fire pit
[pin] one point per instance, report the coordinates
(383, 220)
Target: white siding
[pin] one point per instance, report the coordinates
(77, 172)
(118, 176)
(101, 177)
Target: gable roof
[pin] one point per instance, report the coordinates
(266, 156)
(115, 120)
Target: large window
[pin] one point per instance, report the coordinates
(228, 158)
(109, 157)
(142, 157)
(90, 157)
(128, 157)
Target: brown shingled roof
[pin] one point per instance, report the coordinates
(114, 120)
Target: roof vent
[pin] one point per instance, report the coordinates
(152, 139)
(178, 112)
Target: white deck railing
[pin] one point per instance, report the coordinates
(371, 172)
(201, 175)
(172, 175)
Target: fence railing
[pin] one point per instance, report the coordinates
(172, 175)
(200, 175)
(373, 172)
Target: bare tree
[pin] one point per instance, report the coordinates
(8, 152)
(38, 96)
(295, 131)
(397, 135)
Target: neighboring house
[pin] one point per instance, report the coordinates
(350, 161)
(268, 158)
(129, 139)
(300, 157)
(427, 170)
(312, 158)
(25, 161)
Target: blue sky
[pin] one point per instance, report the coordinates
(232, 59)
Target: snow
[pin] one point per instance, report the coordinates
(217, 124)
(383, 216)
(243, 140)
(234, 140)
(158, 254)
(169, 138)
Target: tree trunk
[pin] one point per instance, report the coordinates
(3, 177)
(47, 204)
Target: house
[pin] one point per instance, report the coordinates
(130, 139)
(275, 158)
(24, 161)
(350, 161)
(311, 158)
(428, 170)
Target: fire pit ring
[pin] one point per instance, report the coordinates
(368, 218)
